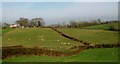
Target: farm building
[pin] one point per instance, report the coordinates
(14, 26)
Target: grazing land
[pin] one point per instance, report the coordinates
(59, 32)
(46, 38)
(91, 55)
(104, 26)
(6, 30)
(92, 36)
(37, 37)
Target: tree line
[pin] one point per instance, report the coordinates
(37, 22)
(81, 24)
(25, 22)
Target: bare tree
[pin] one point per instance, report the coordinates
(99, 21)
(23, 22)
(73, 24)
(32, 24)
(38, 21)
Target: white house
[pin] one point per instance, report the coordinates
(13, 26)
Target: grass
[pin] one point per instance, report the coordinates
(92, 36)
(37, 37)
(47, 38)
(0, 31)
(6, 30)
(105, 26)
(0, 41)
(91, 55)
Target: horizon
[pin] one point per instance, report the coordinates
(58, 12)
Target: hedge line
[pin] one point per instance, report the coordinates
(98, 46)
(86, 43)
(19, 50)
(69, 37)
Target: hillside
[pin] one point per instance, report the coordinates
(105, 26)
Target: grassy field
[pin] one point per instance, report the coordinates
(104, 26)
(0, 49)
(48, 39)
(37, 37)
(6, 30)
(91, 55)
(92, 36)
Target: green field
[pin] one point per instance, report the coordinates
(104, 26)
(37, 37)
(91, 55)
(6, 30)
(0, 50)
(48, 39)
(92, 36)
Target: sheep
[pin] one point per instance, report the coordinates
(8, 39)
(29, 39)
(42, 39)
(68, 43)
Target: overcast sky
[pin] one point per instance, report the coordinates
(60, 0)
(54, 12)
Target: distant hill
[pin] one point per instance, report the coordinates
(109, 26)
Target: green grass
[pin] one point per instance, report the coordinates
(104, 26)
(92, 36)
(31, 37)
(91, 55)
(0, 41)
(6, 30)
(37, 37)
(0, 31)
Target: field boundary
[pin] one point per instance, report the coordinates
(70, 37)
(20, 50)
(85, 43)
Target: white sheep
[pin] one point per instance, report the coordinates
(42, 39)
(64, 43)
(8, 39)
(68, 43)
(58, 40)
(29, 38)
(41, 36)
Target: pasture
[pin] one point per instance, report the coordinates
(46, 38)
(92, 36)
(37, 37)
(91, 55)
(104, 26)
